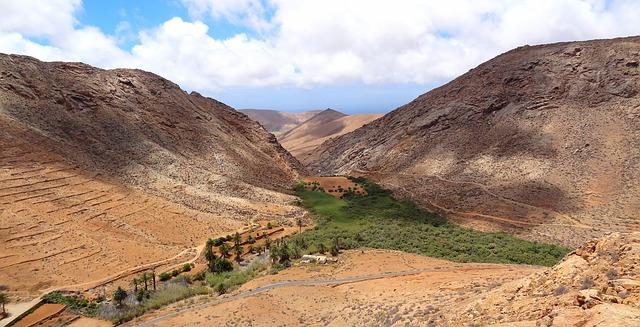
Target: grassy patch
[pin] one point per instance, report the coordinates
(227, 281)
(378, 220)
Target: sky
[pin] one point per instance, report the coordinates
(351, 55)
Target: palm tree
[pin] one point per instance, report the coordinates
(119, 295)
(238, 251)
(135, 282)
(208, 253)
(236, 238)
(267, 242)
(145, 279)
(4, 298)
(224, 250)
(299, 222)
(153, 278)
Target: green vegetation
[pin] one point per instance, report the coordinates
(169, 294)
(73, 303)
(377, 220)
(3, 300)
(227, 281)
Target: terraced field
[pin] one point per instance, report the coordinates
(61, 226)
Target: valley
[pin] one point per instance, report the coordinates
(505, 197)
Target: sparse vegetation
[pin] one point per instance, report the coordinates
(587, 282)
(226, 281)
(73, 302)
(378, 220)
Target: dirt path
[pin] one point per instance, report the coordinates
(311, 282)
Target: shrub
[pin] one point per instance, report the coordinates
(186, 267)
(587, 282)
(175, 273)
(119, 295)
(199, 275)
(612, 274)
(164, 276)
(560, 290)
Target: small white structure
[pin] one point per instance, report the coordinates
(308, 258)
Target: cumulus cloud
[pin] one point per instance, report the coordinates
(309, 42)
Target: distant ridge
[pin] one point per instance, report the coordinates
(278, 122)
(306, 137)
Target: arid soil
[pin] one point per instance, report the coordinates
(278, 122)
(415, 299)
(596, 285)
(105, 170)
(305, 138)
(542, 141)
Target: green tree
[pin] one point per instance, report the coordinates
(220, 265)
(145, 280)
(224, 250)
(237, 239)
(135, 283)
(4, 299)
(119, 295)
(267, 242)
(274, 254)
(322, 248)
(208, 252)
(237, 249)
(269, 226)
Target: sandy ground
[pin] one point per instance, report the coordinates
(415, 299)
(41, 313)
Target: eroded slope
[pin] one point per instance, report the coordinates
(541, 141)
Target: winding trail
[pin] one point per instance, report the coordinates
(310, 282)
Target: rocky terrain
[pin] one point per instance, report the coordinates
(541, 141)
(306, 137)
(104, 170)
(599, 283)
(596, 285)
(278, 122)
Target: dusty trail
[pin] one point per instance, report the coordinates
(313, 282)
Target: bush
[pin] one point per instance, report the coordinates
(220, 265)
(587, 282)
(165, 276)
(199, 275)
(175, 273)
(186, 267)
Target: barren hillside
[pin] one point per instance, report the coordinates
(99, 169)
(306, 137)
(542, 141)
(278, 122)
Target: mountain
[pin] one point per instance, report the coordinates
(278, 122)
(306, 137)
(103, 170)
(541, 141)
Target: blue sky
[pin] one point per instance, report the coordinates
(350, 55)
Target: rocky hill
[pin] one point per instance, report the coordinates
(596, 285)
(542, 141)
(278, 122)
(105, 170)
(306, 137)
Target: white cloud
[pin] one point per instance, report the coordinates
(307, 42)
